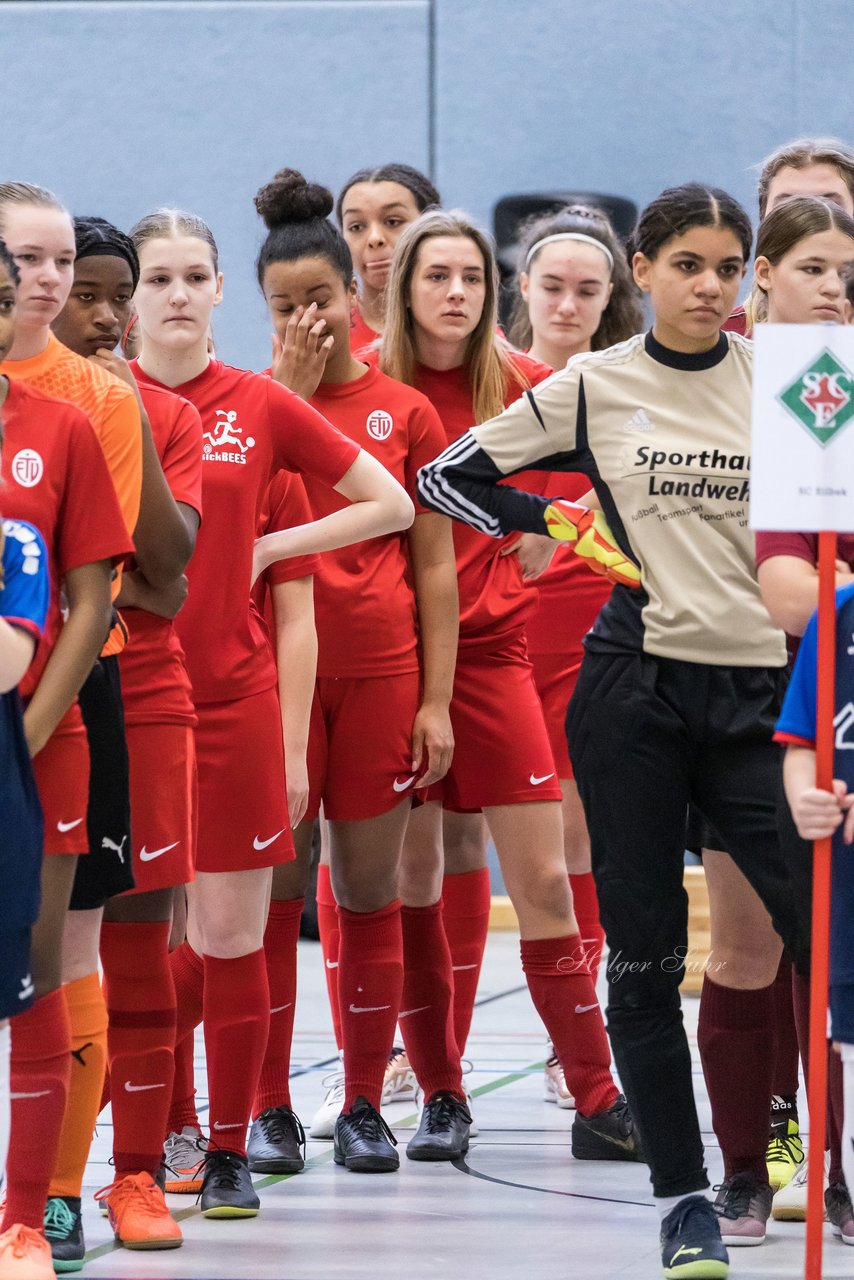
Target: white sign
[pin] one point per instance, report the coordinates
(802, 469)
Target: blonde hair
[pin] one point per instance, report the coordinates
(784, 228)
(166, 224)
(25, 193)
(802, 153)
(487, 357)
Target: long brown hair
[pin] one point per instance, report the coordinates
(487, 357)
(802, 153)
(622, 316)
(784, 228)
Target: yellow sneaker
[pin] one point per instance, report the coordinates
(138, 1213)
(785, 1155)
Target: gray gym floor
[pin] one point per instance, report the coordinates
(519, 1205)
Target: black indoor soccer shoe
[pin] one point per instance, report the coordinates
(276, 1142)
(691, 1245)
(63, 1228)
(443, 1133)
(609, 1135)
(363, 1141)
(227, 1190)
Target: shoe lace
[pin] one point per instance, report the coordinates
(369, 1124)
(785, 1147)
(279, 1123)
(24, 1238)
(441, 1110)
(334, 1083)
(182, 1153)
(837, 1201)
(58, 1219)
(225, 1168)
(146, 1195)
(738, 1194)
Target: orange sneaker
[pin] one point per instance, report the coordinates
(25, 1255)
(138, 1214)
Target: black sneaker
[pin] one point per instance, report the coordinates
(227, 1190)
(743, 1206)
(276, 1142)
(363, 1141)
(63, 1228)
(609, 1135)
(691, 1246)
(443, 1133)
(840, 1214)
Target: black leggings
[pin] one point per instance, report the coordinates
(647, 737)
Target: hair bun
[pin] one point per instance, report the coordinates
(290, 198)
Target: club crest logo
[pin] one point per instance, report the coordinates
(379, 424)
(226, 434)
(821, 398)
(27, 468)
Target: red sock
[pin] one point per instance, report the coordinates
(426, 1016)
(833, 1134)
(370, 980)
(786, 1058)
(140, 995)
(40, 1072)
(466, 900)
(586, 906)
(565, 998)
(280, 951)
(182, 1111)
(330, 942)
(188, 973)
(237, 1022)
(735, 1027)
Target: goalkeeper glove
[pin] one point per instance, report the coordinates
(593, 540)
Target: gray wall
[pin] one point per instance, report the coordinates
(123, 106)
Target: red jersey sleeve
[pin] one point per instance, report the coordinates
(182, 458)
(802, 545)
(285, 506)
(91, 526)
(304, 441)
(426, 442)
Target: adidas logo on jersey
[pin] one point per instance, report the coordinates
(639, 421)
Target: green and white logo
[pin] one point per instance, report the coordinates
(821, 398)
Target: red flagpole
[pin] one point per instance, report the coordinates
(817, 1090)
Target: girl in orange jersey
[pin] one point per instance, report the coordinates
(575, 294)
(252, 427)
(372, 209)
(440, 337)
(380, 729)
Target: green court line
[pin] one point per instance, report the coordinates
(313, 1162)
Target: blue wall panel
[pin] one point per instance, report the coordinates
(122, 107)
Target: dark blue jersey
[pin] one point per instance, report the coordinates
(23, 603)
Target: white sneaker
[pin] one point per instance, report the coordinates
(554, 1083)
(323, 1122)
(399, 1083)
(790, 1202)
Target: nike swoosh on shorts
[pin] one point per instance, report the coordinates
(145, 856)
(402, 786)
(259, 844)
(68, 826)
(535, 781)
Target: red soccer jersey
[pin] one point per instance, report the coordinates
(494, 601)
(285, 506)
(361, 334)
(363, 598)
(251, 427)
(155, 685)
(55, 476)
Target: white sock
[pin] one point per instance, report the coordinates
(5, 1098)
(848, 1120)
(666, 1204)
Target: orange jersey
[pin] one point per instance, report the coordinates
(111, 407)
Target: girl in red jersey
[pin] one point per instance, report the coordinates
(372, 209)
(575, 294)
(54, 475)
(440, 337)
(159, 720)
(378, 722)
(251, 428)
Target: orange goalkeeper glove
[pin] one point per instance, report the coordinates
(594, 542)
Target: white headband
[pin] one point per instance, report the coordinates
(570, 235)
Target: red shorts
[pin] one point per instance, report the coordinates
(360, 745)
(62, 777)
(243, 805)
(163, 804)
(555, 675)
(502, 753)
